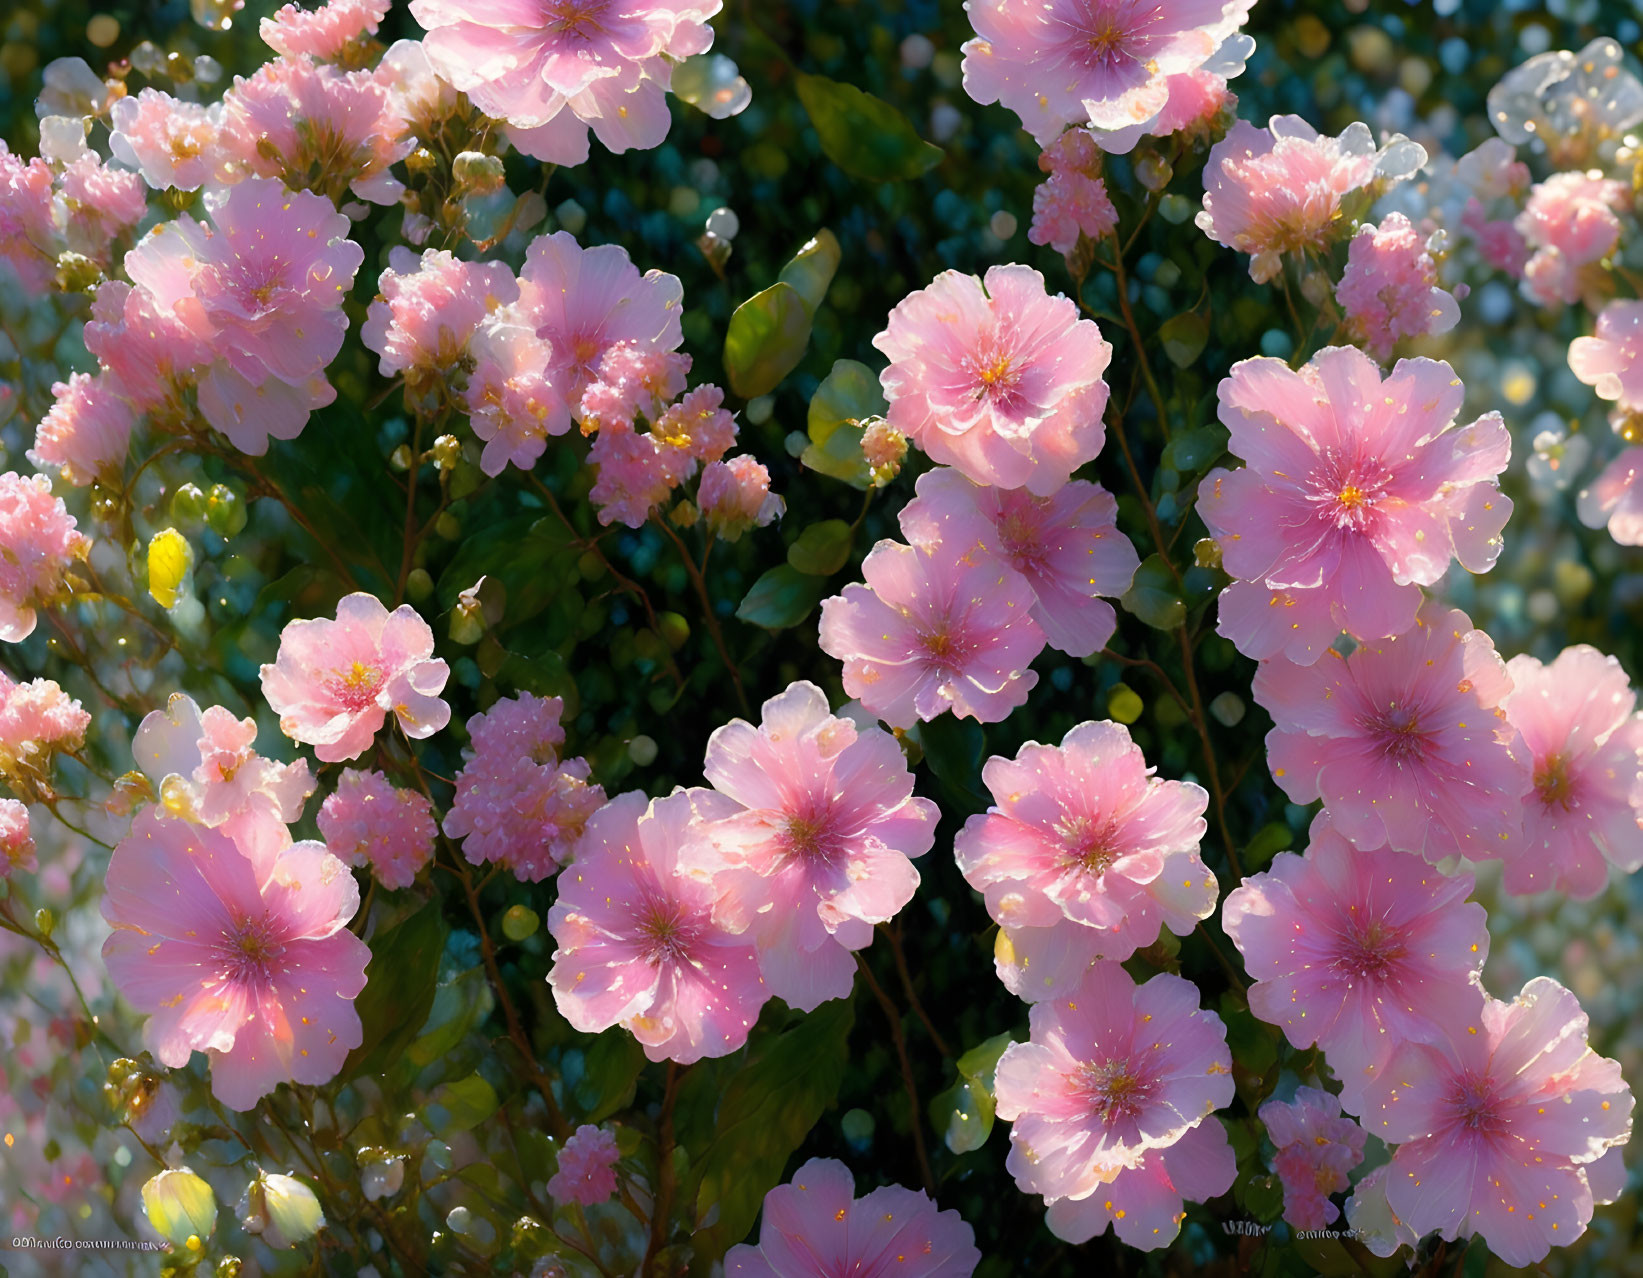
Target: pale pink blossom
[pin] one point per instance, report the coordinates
(1082, 835)
(1406, 740)
(38, 541)
(587, 1168)
(1496, 1123)
(86, 433)
(1067, 205)
(1615, 500)
(633, 381)
(583, 301)
(517, 802)
(28, 232)
(1390, 289)
(1317, 1150)
(931, 632)
(1585, 742)
(368, 821)
(554, 68)
(637, 472)
(170, 142)
(1358, 487)
(1378, 1226)
(1570, 224)
(1100, 62)
(315, 126)
(1278, 190)
(637, 942)
(325, 32)
(38, 720)
(883, 448)
(333, 682)
(1114, 1076)
(239, 949)
(420, 99)
(1494, 180)
(514, 402)
(98, 203)
(1067, 546)
(1607, 361)
(16, 840)
(1357, 951)
(146, 347)
(815, 1225)
(735, 496)
(819, 850)
(997, 378)
(428, 308)
(699, 424)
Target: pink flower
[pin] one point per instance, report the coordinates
(1358, 488)
(38, 541)
(997, 378)
(637, 943)
(1377, 1225)
(1615, 499)
(16, 840)
(367, 821)
(146, 347)
(1405, 740)
(1317, 1149)
(28, 234)
(883, 448)
(333, 682)
(514, 403)
(1357, 951)
(735, 496)
(1067, 546)
(584, 301)
(1081, 835)
(637, 472)
(1116, 1074)
(698, 424)
(816, 1225)
(239, 949)
(633, 381)
(87, 432)
(429, 308)
(1390, 288)
(553, 68)
(315, 126)
(1607, 361)
(99, 203)
(1570, 223)
(205, 767)
(1496, 1123)
(37, 721)
(587, 1168)
(1067, 205)
(170, 142)
(934, 632)
(323, 33)
(516, 802)
(1580, 728)
(418, 96)
(1278, 190)
(818, 850)
(1099, 62)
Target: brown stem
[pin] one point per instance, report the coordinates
(700, 585)
(663, 1206)
(1122, 280)
(1201, 722)
(900, 1040)
(1223, 960)
(409, 538)
(893, 934)
(1117, 430)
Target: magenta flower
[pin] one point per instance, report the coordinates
(1067, 546)
(997, 378)
(1570, 224)
(1607, 361)
(325, 32)
(1614, 499)
(1390, 289)
(1358, 951)
(819, 850)
(637, 943)
(587, 1168)
(1405, 741)
(170, 142)
(1073, 199)
(38, 541)
(1317, 1149)
(88, 430)
(1114, 1074)
(368, 821)
(815, 1225)
(1100, 62)
(1082, 836)
(333, 682)
(934, 631)
(1496, 1123)
(1357, 487)
(735, 496)
(1585, 742)
(239, 949)
(16, 840)
(428, 309)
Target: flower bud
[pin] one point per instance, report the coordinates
(280, 1209)
(181, 1207)
(477, 173)
(170, 563)
(382, 1177)
(520, 922)
(225, 512)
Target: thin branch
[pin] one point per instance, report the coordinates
(900, 1039)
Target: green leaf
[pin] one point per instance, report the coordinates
(849, 394)
(458, 1003)
(466, 1103)
(864, 135)
(1154, 595)
(610, 1076)
(822, 549)
(813, 267)
(1189, 451)
(400, 983)
(766, 339)
(1269, 840)
(781, 598)
(953, 748)
(963, 1114)
(530, 557)
(545, 675)
(766, 1111)
(1184, 337)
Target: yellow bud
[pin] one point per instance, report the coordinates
(170, 560)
